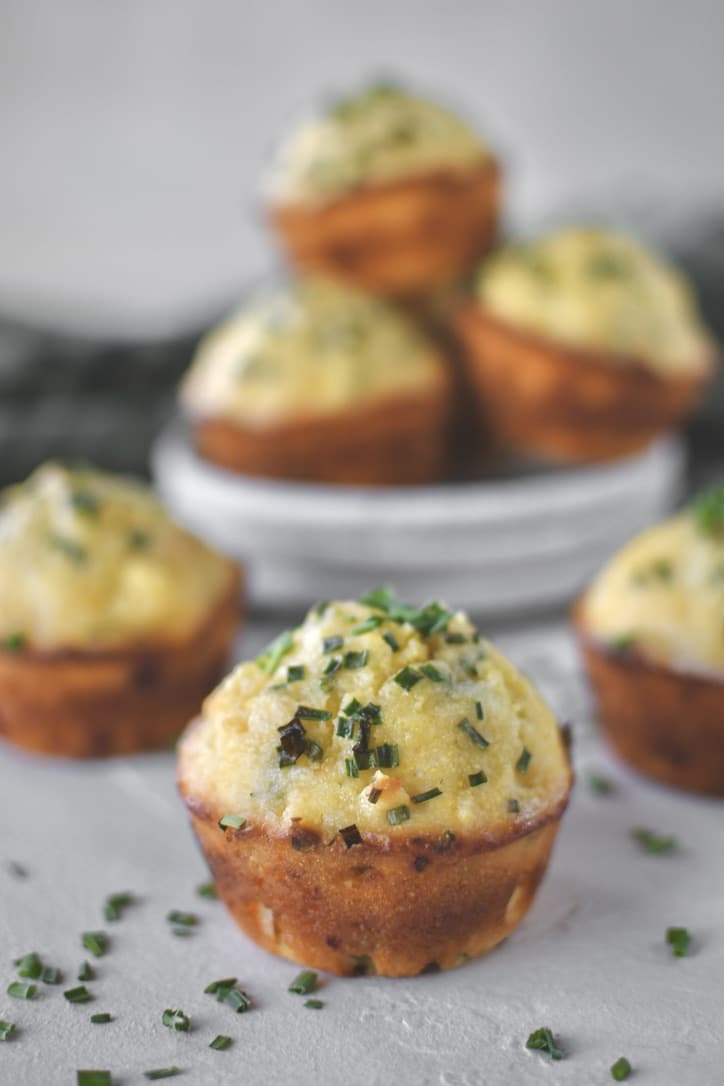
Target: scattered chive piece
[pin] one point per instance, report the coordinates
(432, 673)
(314, 751)
(381, 598)
(622, 643)
(351, 836)
(275, 652)
(600, 785)
(390, 639)
(655, 843)
(208, 890)
(186, 920)
(621, 1069)
(236, 998)
(370, 623)
(708, 509)
(115, 904)
(219, 986)
(352, 708)
(473, 734)
(542, 1040)
(331, 644)
(85, 502)
(388, 755)
(374, 794)
(162, 1072)
(50, 975)
(679, 940)
(365, 759)
(295, 673)
(345, 727)
(304, 712)
(304, 983)
(524, 761)
(86, 971)
(220, 1042)
(176, 1020)
(14, 642)
(101, 1019)
(78, 995)
(231, 822)
(18, 990)
(314, 1004)
(350, 767)
(6, 1030)
(479, 710)
(456, 639)
(513, 806)
(407, 678)
(29, 966)
(94, 1078)
(182, 933)
(96, 942)
(355, 660)
(423, 797)
(398, 815)
(474, 779)
(333, 665)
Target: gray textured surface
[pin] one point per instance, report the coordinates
(590, 961)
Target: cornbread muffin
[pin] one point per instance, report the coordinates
(583, 345)
(114, 622)
(387, 192)
(378, 792)
(321, 383)
(651, 628)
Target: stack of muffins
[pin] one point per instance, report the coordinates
(404, 331)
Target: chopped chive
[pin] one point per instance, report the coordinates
(345, 727)
(524, 761)
(304, 983)
(374, 794)
(350, 767)
(391, 641)
(355, 660)
(29, 966)
(456, 639)
(295, 673)
(351, 836)
(274, 653)
(542, 1040)
(388, 755)
(6, 1030)
(352, 708)
(237, 999)
(217, 987)
(473, 734)
(432, 673)
(86, 971)
(101, 1019)
(381, 598)
(115, 904)
(600, 785)
(369, 624)
(513, 806)
(622, 642)
(14, 642)
(182, 933)
(654, 843)
(679, 940)
(220, 1042)
(621, 1069)
(231, 822)
(321, 608)
(331, 644)
(315, 753)
(51, 975)
(397, 815)
(314, 1004)
(95, 941)
(85, 502)
(365, 759)
(407, 678)
(78, 995)
(18, 990)
(162, 1072)
(94, 1078)
(474, 779)
(207, 890)
(479, 712)
(423, 797)
(176, 1020)
(333, 665)
(186, 920)
(304, 712)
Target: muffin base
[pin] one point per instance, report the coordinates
(401, 238)
(563, 403)
(666, 724)
(401, 441)
(77, 704)
(394, 907)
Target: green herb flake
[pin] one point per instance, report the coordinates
(391, 641)
(474, 779)
(221, 1042)
(407, 678)
(350, 767)
(656, 844)
(388, 755)
(176, 1020)
(314, 1004)
(162, 1072)
(622, 642)
(524, 761)
(96, 941)
(51, 975)
(101, 1019)
(231, 822)
(14, 642)
(208, 890)
(86, 971)
(304, 983)
(7, 1029)
(274, 653)
(77, 995)
(397, 815)
(353, 661)
(542, 1040)
(368, 625)
(305, 712)
(473, 734)
(314, 752)
(295, 673)
(237, 999)
(29, 966)
(18, 990)
(83, 501)
(708, 511)
(620, 1070)
(115, 905)
(380, 598)
(186, 920)
(332, 643)
(219, 987)
(600, 785)
(432, 673)
(423, 797)
(513, 806)
(94, 1078)
(345, 727)
(479, 711)
(332, 666)
(679, 940)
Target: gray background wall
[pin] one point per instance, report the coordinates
(133, 131)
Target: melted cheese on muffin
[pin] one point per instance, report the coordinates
(307, 351)
(387, 719)
(663, 594)
(597, 290)
(88, 560)
(382, 134)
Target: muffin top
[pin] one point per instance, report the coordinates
(92, 561)
(307, 350)
(663, 594)
(379, 135)
(593, 289)
(379, 717)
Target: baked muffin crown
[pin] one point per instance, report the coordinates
(598, 290)
(310, 349)
(662, 595)
(90, 560)
(375, 136)
(382, 718)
